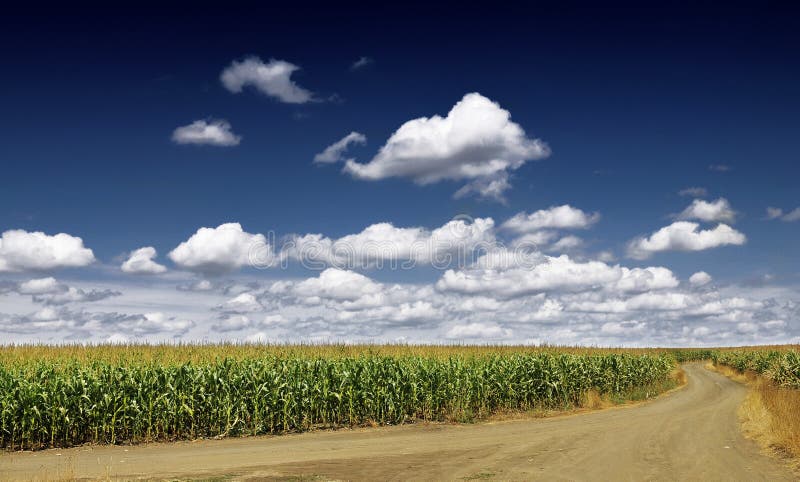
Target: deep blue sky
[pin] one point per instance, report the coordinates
(635, 103)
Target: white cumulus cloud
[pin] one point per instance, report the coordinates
(556, 217)
(337, 284)
(701, 278)
(273, 78)
(383, 244)
(709, 211)
(243, 303)
(218, 250)
(497, 276)
(684, 236)
(23, 251)
(477, 139)
(211, 132)
(40, 286)
(567, 243)
(140, 261)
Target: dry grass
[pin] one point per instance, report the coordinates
(593, 400)
(679, 376)
(769, 414)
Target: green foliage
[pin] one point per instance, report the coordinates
(683, 355)
(783, 367)
(63, 403)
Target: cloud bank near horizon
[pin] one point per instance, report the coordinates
(490, 283)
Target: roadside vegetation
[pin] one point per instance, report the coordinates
(771, 411)
(58, 397)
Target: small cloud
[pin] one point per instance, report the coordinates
(792, 216)
(70, 294)
(211, 132)
(693, 192)
(335, 152)
(39, 286)
(684, 236)
(489, 188)
(719, 167)
(701, 278)
(774, 213)
(778, 213)
(477, 331)
(567, 243)
(361, 63)
(117, 339)
(606, 256)
(273, 78)
(141, 261)
(199, 285)
(719, 210)
(243, 303)
(555, 217)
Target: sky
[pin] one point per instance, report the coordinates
(558, 172)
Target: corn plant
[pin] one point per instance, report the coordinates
(127, 399)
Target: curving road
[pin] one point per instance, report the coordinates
(689, 434)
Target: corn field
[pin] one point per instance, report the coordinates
(782, 367)
(59, 401)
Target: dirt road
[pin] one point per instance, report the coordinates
(690, 434)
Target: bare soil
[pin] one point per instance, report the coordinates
(688, 434)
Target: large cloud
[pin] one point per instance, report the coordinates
(23, 251)
(337, 284)
(273, 78)
(632, 306)
(684, 236)
(214, 251)
(477, 140)
(709, 211)
(384, 244)
(140, 261)
(211, 132)
(504, 276)
(503, 296)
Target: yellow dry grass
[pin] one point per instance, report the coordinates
(769, 414)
